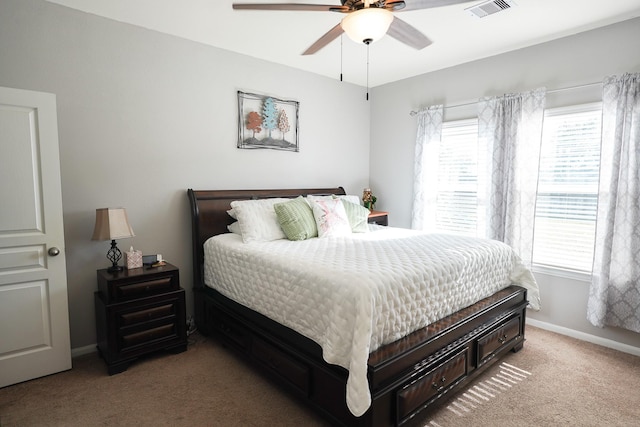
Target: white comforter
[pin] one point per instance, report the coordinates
(353, 294)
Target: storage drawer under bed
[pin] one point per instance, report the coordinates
(423, 391)
(270, 356)
(497, 339)
(284, 365)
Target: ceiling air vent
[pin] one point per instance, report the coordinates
(490, 7)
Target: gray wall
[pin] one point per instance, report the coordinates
(571, 62)
(143, 116)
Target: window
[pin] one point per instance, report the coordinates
(457, 205)
(567, 185)
(568, 188)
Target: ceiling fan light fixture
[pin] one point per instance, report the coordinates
(367, 25)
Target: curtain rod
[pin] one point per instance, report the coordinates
(465, 104)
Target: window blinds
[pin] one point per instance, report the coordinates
(568, 188)
(457, 199)
(567, 185)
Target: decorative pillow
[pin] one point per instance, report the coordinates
(348, 198)
(358, 217)
(296, 219)
(258, 220)
(232, 214)
(234, 227)
(331, 218)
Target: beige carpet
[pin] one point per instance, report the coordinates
(553, 381)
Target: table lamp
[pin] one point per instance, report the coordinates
(112, 224)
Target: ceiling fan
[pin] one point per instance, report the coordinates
(365, 21)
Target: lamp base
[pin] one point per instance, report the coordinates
(114, 256)
(115, 269)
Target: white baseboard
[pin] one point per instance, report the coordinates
(81, 351)
(605, 342)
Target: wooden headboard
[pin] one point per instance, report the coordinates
(209, 215)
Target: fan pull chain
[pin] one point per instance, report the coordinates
(341, 57)
(368, 71)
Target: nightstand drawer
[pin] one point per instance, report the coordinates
(147, 315)
(148, 319)
(148, 336)
(131, 284)
(148, 287)
(128, 329)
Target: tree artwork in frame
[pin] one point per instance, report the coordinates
(267, 122)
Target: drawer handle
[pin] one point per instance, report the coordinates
(439, 386)
(224, 328)
(503, 339)
(273, 363)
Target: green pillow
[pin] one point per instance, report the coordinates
(358, 217)
(296, 219)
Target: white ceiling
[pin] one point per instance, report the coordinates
(281, 36)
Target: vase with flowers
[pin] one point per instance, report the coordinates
(368, 199)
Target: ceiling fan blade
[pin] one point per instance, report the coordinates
(407, 34)
(394, 5)
(429, 4)
(291, 6)
(330, 36)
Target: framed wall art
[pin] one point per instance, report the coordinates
(267, 122)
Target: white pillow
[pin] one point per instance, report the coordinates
(331, 218)
(234, 227)
(348, 198)
(258, 220)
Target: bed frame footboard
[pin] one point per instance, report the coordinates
(407, 377)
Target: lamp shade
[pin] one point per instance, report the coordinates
(111, 224)
(367, 25)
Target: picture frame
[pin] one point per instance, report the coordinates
(267, 122)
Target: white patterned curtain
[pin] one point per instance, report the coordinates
(510, 132)
(426, 167)
(614, 298)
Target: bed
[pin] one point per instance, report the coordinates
(388, 378)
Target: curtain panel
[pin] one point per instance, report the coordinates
(426, 167)
(614, 297)
(510, 135)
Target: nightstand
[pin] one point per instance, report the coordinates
(139, 311)
(379, 217)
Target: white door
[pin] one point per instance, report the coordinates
(34, 318)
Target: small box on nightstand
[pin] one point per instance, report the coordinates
(133, 259)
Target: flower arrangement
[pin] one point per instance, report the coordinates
(368, 199)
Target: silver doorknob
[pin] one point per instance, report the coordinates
(54, 251)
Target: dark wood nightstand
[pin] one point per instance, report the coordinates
(139, 311)
(379, 217)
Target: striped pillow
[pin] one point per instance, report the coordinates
(296, 219)
(358, 216)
